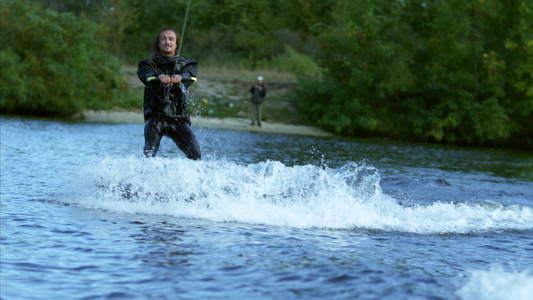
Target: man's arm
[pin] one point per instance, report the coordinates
(145, 71)
(189, 70)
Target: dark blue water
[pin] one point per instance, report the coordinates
(263, 216)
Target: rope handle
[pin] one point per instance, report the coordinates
(182, 79)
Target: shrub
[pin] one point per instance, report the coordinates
(54, 64)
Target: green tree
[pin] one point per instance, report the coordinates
(117, 16)
(364, 68)
(469, 73)
(234, 28)
(54, 63)
(446, 71)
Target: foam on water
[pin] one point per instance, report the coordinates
(497, 283)
(272, 193)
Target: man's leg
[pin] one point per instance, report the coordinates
(259, 114)
(252, 112)
(152, 136)
(185, 139)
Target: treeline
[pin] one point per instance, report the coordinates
(54, 64)
(451, 71)
(454, 71)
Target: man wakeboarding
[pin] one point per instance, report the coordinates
(166, 77)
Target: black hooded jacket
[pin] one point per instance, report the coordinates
(154, 92)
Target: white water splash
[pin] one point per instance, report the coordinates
(272, 193)
(496, 284)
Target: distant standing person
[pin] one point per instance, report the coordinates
(166, 108)
(258, 91)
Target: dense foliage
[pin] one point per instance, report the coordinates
(454, 71)
(54, 64)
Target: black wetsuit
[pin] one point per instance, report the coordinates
(166, 109)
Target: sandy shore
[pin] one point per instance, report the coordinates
(206, 122)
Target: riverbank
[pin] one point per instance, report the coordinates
(223, 93)
(238, 124)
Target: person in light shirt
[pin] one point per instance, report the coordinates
(258, 91)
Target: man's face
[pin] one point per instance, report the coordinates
(167, 43)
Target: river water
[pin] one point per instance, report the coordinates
(262, 216)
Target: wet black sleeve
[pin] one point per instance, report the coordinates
(188, 70)
(145, 71)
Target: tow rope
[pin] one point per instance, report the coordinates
(183, 31)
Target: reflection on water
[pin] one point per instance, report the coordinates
(171, 250)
